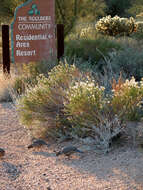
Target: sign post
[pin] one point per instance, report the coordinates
(33, 32)
(60, 40)
(5, 49)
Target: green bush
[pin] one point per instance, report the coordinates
(128, 61)
(86, 49)
(68, 102)
(127, 98)
(88, 112)
(136, 8)
(33, 69)
(116, 7)
(139, 32)
(41, 108)
(116, 26)
(85, 101)
(139, 17)
(87, 30)
(27, 75)
(139, 26)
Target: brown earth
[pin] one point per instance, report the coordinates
(40, 169)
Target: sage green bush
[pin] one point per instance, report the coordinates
(89, 113)
(129, 62)
(33, 69)
(86, 49)
(127, 99)
(27, 75)
(69, 102)
(41, 107)
(85, 102)
(114, 26)
(138, 35)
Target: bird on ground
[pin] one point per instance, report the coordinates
(68, 151)
(49, 188)
(2, 152)
(37, 143)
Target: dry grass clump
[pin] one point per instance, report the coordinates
(14, 85)
(5, 84)
(11, 86)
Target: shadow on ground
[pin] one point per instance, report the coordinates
(123, 165)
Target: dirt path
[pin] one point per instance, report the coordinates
(23, 169)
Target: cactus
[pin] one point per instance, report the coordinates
(116, 26)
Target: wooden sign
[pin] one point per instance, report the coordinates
(33, 31)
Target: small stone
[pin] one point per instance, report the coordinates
(47, 180)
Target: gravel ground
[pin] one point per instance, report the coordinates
(40, 169)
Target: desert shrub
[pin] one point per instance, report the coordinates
(31, 70)
(9, 84)
(27, 75)
(102, 72)
(11, 88)
(68, 102)
(36, 68)
(139, 26)
(84, 66)
(129, 42)
(136, 8)
(83, 30)
(127, 98)
(41, 108)
(88, 32)
(85, 100)
(128, 61)
(115, 7)
(139, 17)
(139, 32)
(89, 114)
(116, 26)
(86, 48)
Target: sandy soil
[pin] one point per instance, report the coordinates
(40, 169)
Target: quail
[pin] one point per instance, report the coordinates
(2, 152)
(37, 143)
(68, 151)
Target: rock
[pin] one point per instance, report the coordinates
(11, 169)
